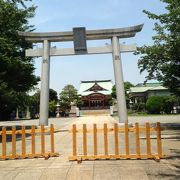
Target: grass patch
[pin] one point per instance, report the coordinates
(141, 114)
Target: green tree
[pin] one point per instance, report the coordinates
(157, 104)
(53, 95)
(127, 86)
(168, 104)
(69, 95)
(35, 102)
(53, 99)
(154, 104)
(16, 72)
(162, 59)
(52, 108)
(113, 94)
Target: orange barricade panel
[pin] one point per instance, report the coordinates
(127, 142)
(21, 151)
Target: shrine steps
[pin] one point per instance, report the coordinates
(95, 112)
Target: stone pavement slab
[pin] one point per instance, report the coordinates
(8, 174)
(55, 173)
(80, 172)
(28, 174)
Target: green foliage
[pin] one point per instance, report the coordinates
(127, 86)
(113, 94)
(53, 99)
(35, 102)
(16, 72)
(52, 108)
(157, 104)
(168, 104)
(53, 95)
(69, 95)
(162, 59)
(154, 104)
(138, 107)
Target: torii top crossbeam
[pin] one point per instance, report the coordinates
(90, 34)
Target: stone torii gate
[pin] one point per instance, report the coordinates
(79, 36)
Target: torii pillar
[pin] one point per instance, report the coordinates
(44, 93)
(119, 82)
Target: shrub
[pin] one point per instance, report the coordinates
(154, 104)
(168, 104)
(139, 107)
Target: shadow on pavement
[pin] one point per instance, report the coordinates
(171, 126)
(174, 160)
(18, 136)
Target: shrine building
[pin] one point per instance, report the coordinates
(95, 94)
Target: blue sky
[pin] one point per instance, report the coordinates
(59, 15)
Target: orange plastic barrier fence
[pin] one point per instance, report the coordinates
(115, 137)
(32, 133)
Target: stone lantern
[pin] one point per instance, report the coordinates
(57, 110)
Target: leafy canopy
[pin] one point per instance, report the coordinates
(16, 70)
(162, 59)
(69, 95)
(35, 100)
(127, 86)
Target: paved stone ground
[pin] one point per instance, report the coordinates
(60, 168)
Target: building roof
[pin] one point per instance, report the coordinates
(85, 87)
(140, 88)
(148, 85)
